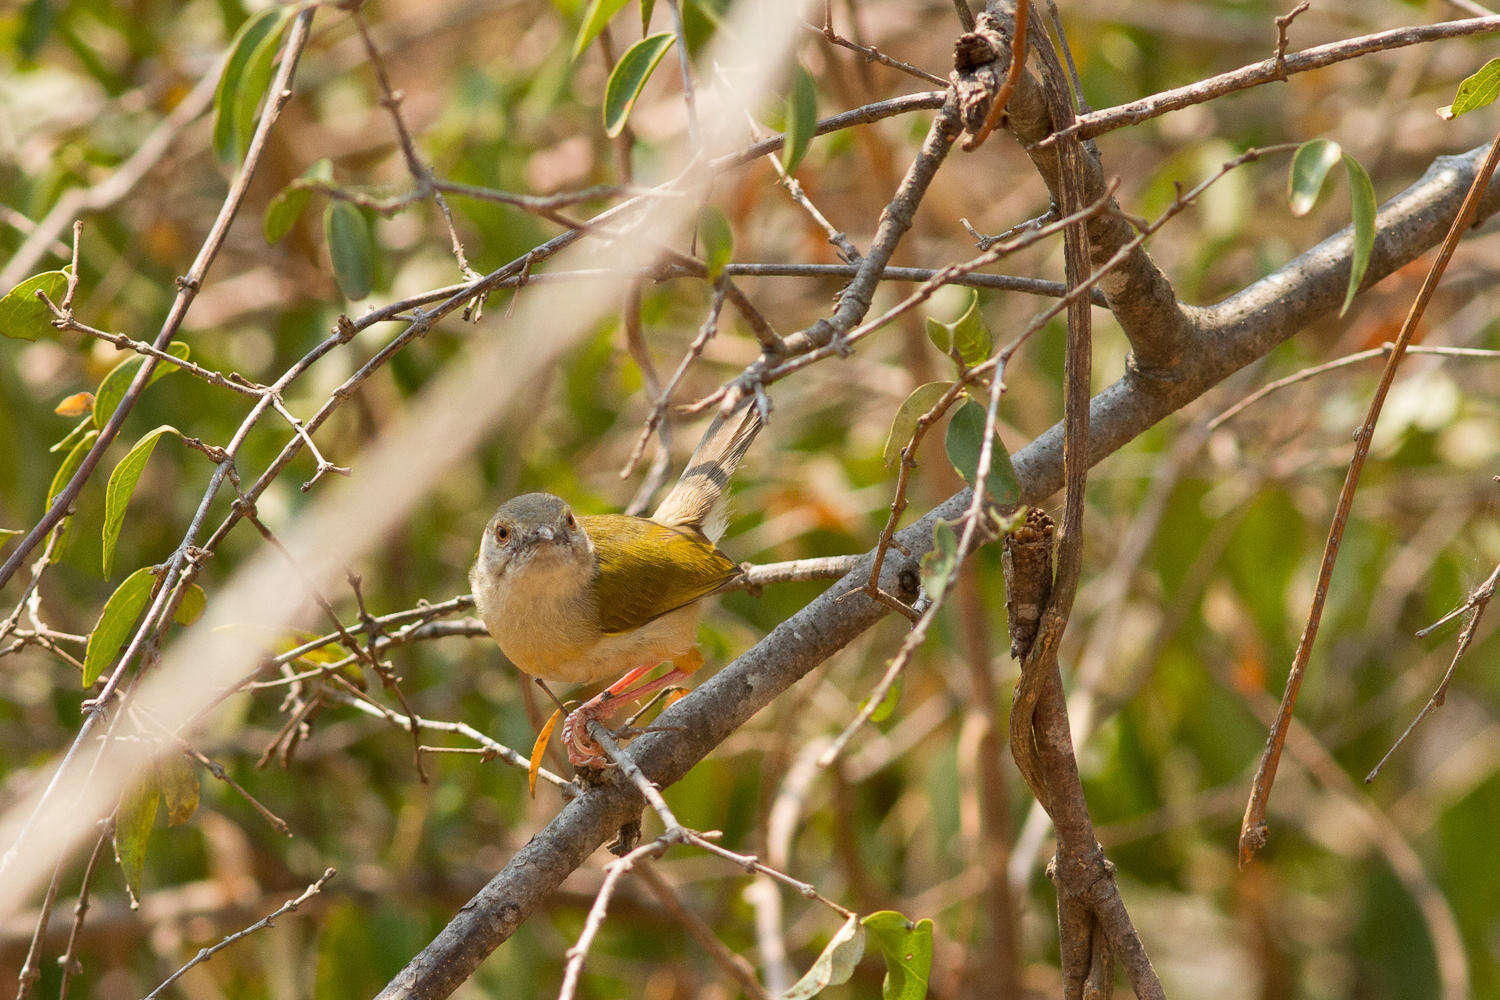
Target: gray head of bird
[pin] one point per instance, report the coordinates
(532, 532)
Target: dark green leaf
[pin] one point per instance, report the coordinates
(967, 334)
(254, 82)
(178, 780)
(286, 208)
(647, 7)
(1310, 166)
(922, 399)
(70, 464)
(122, 483)
(1478, 91)
(79, 429)
(718, 240)
(907, 948)
(227, 141)
(965, 437)
(630, 75)
(133, 822)
(801, 118)
(23, 316)
(1362, 208)
(937, 565)
(600, 13)
(190, 608)
(835, 965)
(112, 387)
(352, 249)
(115, 622)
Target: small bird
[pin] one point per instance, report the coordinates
(580, 598)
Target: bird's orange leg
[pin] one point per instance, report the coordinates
(583, 749)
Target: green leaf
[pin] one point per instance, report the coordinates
(967, 334)
(647, 7)
(600, 13)
(629, 76)
(6, 534)
(122, 483)
(190, 608)
(1362, 208)
(351, 247)
(1310, 166)
(922, 399)
(240, 71)
(835, 965)
(134, 819)
(70, 464)
(1478, 91)
(965, 437)
(937, 565)
(79, 429)
(801, 118)
(286, 208)
(887, 704)
(115, 622)
(23, 316)
(718, 240)
(178, 780)
(907, 948)
(112, 387)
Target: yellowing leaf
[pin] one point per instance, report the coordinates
(190, 608)
(115, 622)
(178, 780)
(75, 405)
(1475, 92)
(23, 316)
(122, 484)
(629, 76)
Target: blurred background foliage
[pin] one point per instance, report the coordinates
(1202, 547)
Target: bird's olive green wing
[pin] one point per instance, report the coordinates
(647, 569)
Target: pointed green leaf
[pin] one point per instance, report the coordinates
(937, 565)
(801, 118)
(254, 82)
(23, 316)
(1310, 166)
(835, 965)
(122, 483)
(115, 622)
(237, 67)
(629, 76)
(907, 948)
(70, 465)
(967, 334)
(351, 248)
(1476, 92)
(178, 780)
(922, 399)
(79, 429)
(286, 208)
(647, 7)
(190, 608)
(718, 240)
(134, 819)
(1362, 209)
(112, 387)
(600, 13)
(965, 437)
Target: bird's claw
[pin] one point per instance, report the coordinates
(583, 750)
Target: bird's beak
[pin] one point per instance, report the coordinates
(542, 534)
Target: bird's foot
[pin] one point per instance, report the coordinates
(583, 750)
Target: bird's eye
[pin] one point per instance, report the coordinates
(571, 522)
(502, 532)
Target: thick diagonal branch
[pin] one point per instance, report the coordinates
(1228, 336)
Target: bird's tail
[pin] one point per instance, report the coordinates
(698, 498)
